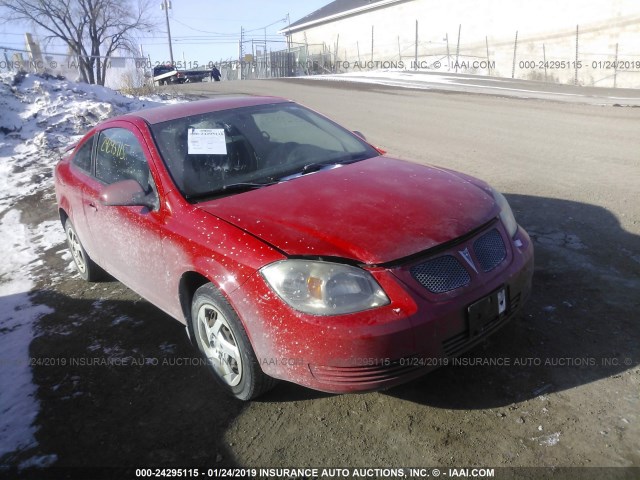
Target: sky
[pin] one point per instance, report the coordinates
(203, 31)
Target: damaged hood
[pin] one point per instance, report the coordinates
(374, 211)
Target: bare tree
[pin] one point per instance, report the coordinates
(93, 29)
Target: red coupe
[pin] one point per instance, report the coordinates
(290, 247)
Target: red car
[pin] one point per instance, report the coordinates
(290, 247)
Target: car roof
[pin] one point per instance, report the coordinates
(180, 110)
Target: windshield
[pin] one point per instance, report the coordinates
(231, 150)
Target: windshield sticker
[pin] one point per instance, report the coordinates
(206, 141)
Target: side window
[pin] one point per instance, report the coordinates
(82, 158)
(119, 156)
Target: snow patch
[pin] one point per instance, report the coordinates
(42, 461)
(18, 406)
(41, 118)
(549, 440)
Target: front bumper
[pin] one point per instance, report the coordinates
(390, 345)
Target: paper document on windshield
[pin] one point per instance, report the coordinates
(206, 141)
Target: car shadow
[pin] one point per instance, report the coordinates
(119, 385)
(578, 326)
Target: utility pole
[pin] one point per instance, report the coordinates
(241, 53)
(166, 5)
(288, 20)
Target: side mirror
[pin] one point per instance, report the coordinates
(128, 193)
(379, 150)
(360, 134)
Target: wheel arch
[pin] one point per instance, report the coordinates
(63, 215)
(189, 283)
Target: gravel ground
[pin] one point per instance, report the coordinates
(565, 392)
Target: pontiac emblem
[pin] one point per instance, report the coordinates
(467, 258)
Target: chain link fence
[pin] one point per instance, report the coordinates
(576, 58)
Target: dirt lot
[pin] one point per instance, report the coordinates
(566, 393)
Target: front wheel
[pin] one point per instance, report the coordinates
(87, 268)
(223, 342)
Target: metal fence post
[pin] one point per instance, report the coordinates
(415, 55)
(458, 47)
(372, 43)
(448, 54)
(575, 82)
(486, 39)
(615, 69)
(515, 50)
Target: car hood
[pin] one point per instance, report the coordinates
(374, 211)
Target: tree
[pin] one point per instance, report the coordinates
(94, 30)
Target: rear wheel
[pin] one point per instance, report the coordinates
(86, 267)
(223, 342)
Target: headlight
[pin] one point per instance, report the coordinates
(506, 214)
(324, 288)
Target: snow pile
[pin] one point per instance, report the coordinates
(43, 116)
(40, 117)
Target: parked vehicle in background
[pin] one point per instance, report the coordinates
(167, 74)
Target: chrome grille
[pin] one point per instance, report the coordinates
(441, 274)
(490, 250)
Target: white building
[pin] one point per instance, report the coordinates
(570, 41)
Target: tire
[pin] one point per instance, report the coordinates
(222, 341)
(87, 268)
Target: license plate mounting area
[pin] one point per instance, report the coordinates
(483, 312)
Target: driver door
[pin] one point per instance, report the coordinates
(127, 239)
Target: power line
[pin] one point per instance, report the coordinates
(203, 31)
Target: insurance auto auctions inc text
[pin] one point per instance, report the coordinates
(277, 473)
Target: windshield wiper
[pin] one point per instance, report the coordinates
(243, 186)
(345, 160)
(314, 167)
(317, 166)
(308, 168)
(231, 188)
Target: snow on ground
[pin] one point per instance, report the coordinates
(482, 83)
(424, 80)
(39, 118)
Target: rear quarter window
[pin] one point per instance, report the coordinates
(82, 157)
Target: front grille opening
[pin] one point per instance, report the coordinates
(490, 250)
(441, 274)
